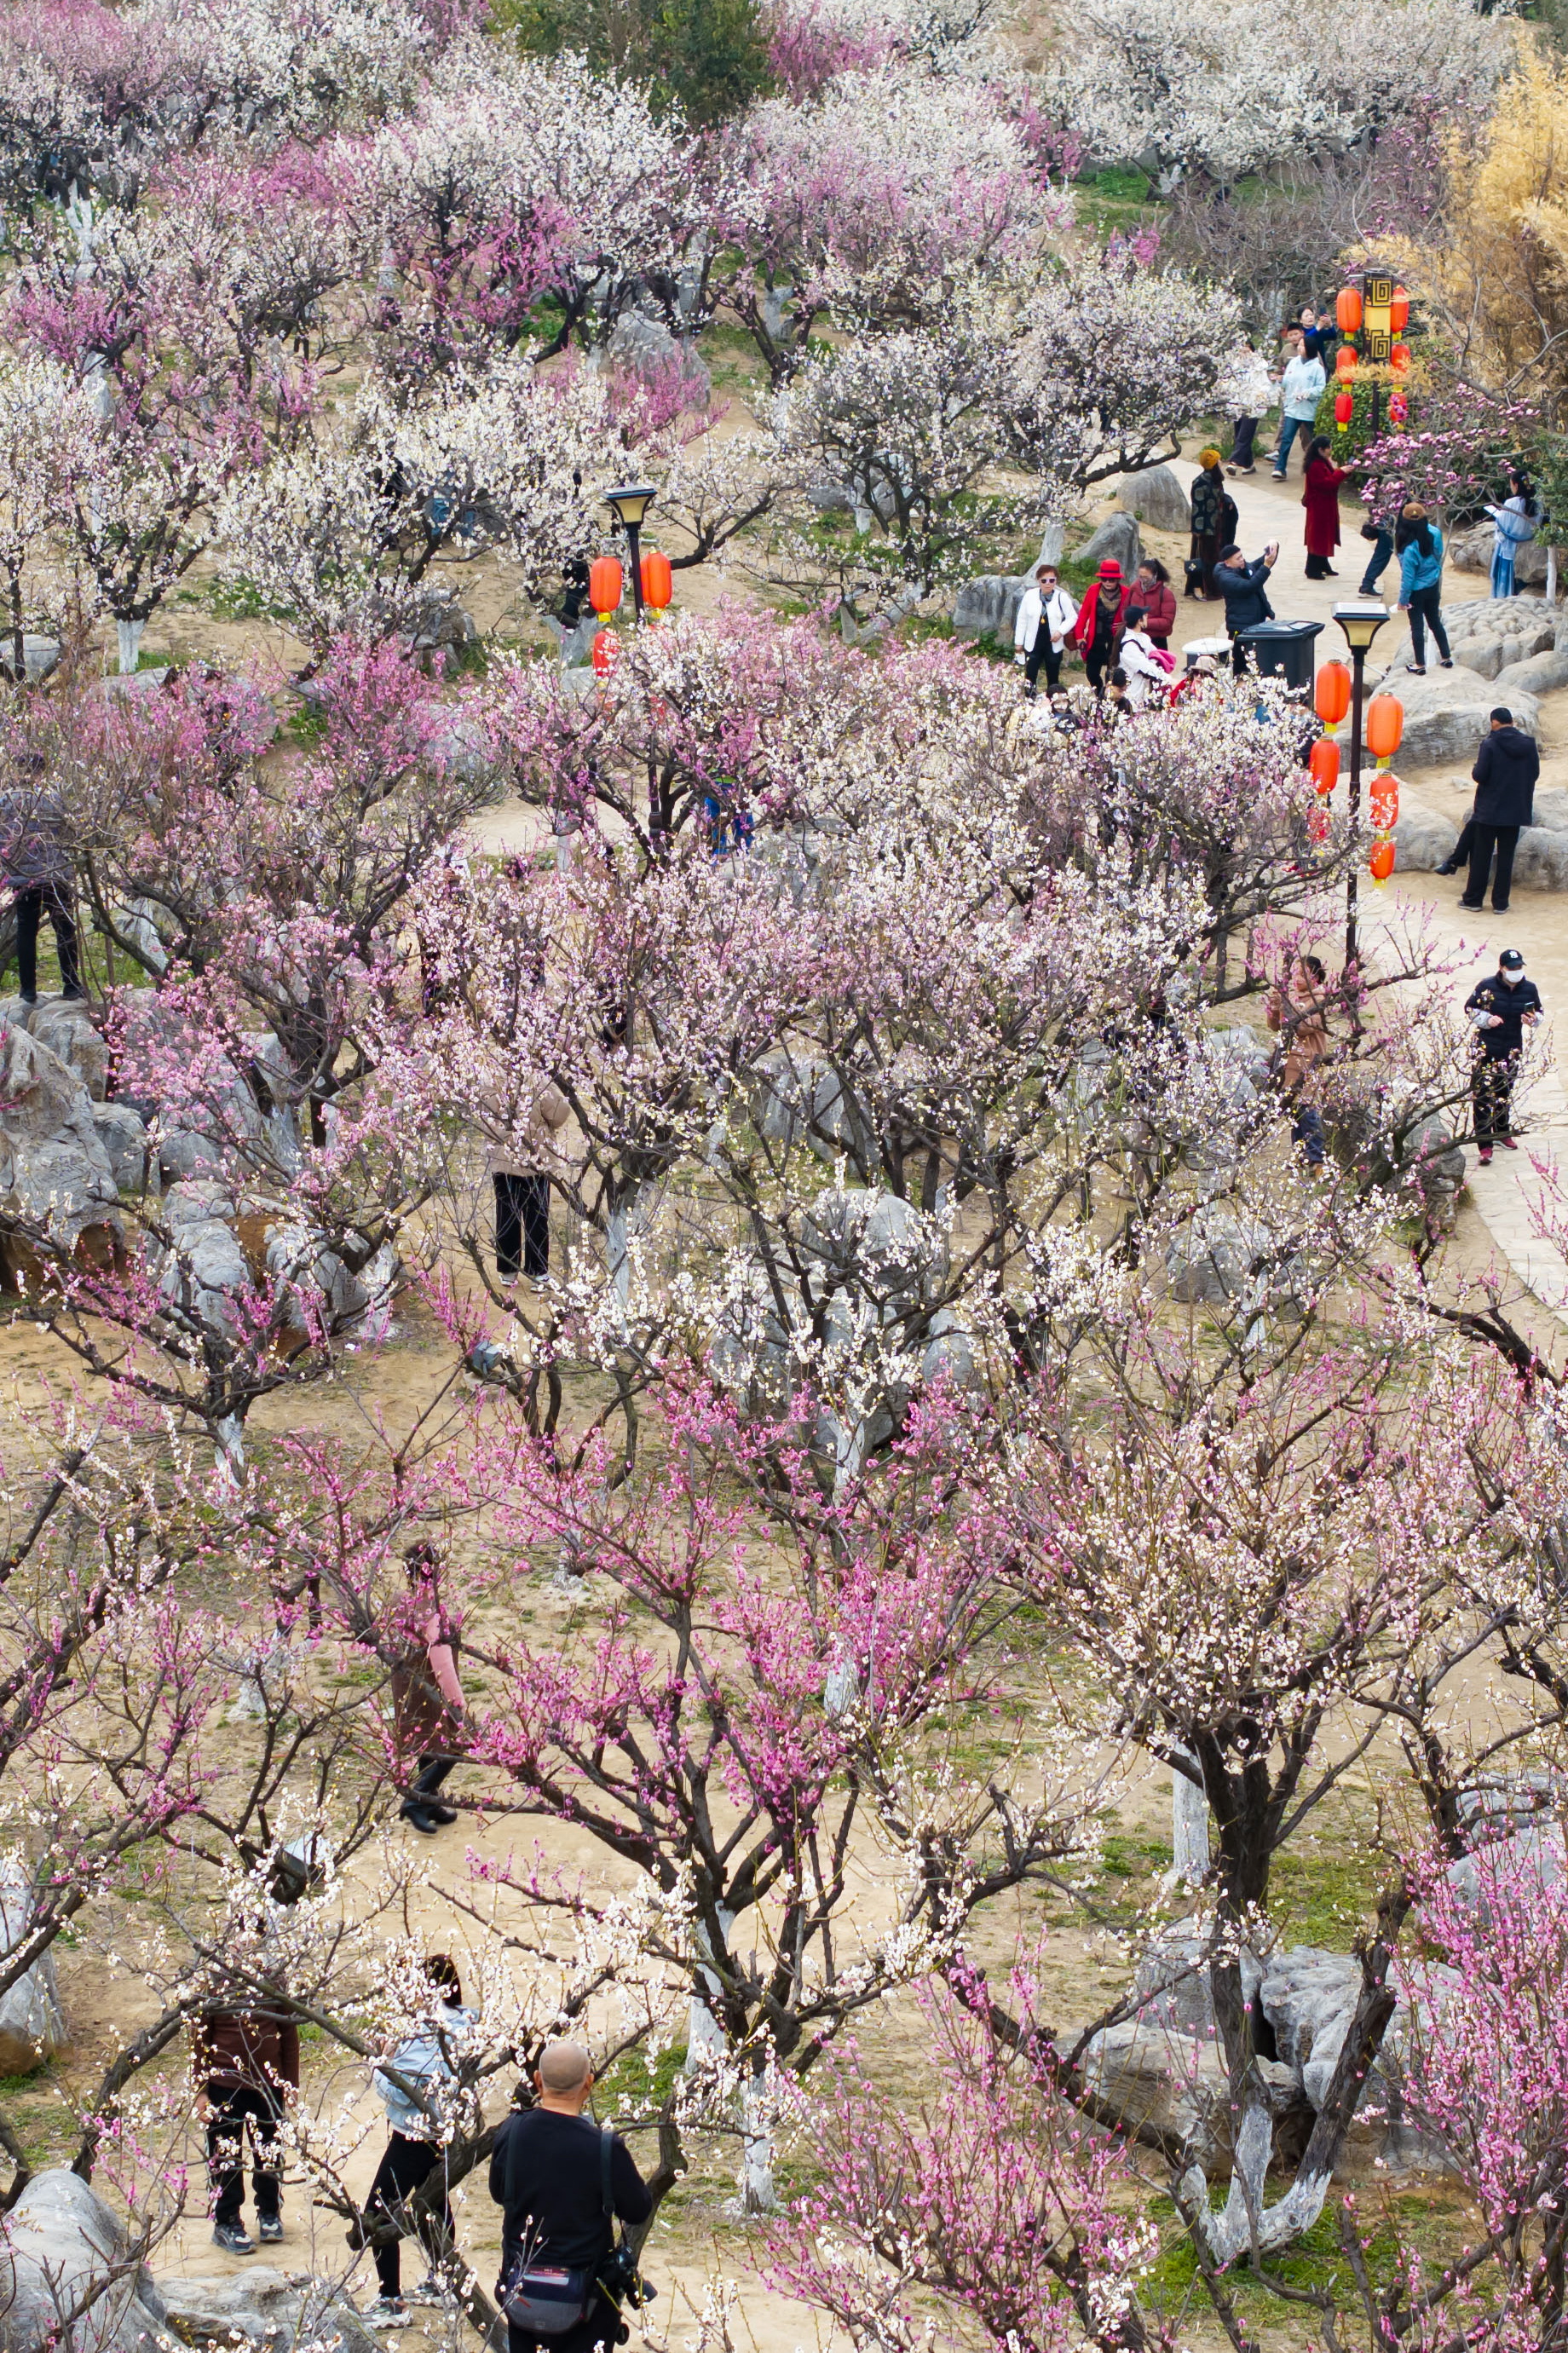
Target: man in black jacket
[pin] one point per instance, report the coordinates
(1506, 768)
(547, 2177)
(1245, 589)
(1498, 1010)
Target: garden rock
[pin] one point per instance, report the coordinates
(1423, 841)
(988, 607)
(1540, 860)
(61, 2250)
(32, 2023)
(1542, 674)
(52, 1164)
(122, 1132)
(1117, 536)
(66, 1025)
(1157, 497)
(1489, 633)
(1537, 1847)
(1446, 714)
(801, 1100)
(40, 655)
(1211, 1258)
(264, 2309)
(1178, 2083)
(201, 1264)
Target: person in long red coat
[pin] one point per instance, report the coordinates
(1100, 620)
(1322, 499)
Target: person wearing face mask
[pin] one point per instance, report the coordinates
(1500, 1009)
(1040, 633)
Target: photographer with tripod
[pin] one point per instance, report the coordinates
(563, 2183)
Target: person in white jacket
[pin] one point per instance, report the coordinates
(1046, 616)
(1251, 388)
(1145, 670)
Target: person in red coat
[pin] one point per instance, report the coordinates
(1153, 595)
(1322, 499)
(1100, 620)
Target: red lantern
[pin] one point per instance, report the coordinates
(606, 653)
(1324, 762)
(604, 586)
(1398, 408)
(1384, 801)
(1384, 726)
(658, 581)
(1347, 309)
(1346, 358)
(1381, 862)
(1399, 357)
(1399, 309)
(1344, 407)
(1331, 693)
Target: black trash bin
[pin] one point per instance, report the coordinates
(1284, 649)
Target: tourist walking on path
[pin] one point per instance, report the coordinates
(427, 1695)
(1507, 766)
(523, 1192)
(1500, 1010)
(1100, 620)
(562, 2183)
(1299, 1011)
(1514, 526)
(1420, 545)
(37, 872)
(420, 2065)
(1254, 394)
(1321, 497)
(1147, 672)
(1245, 588)
(1301, 389)
(246, 2062)
(1154, 598)
(1214, 521)
(1046, 617)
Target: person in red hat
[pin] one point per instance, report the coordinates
(1101, 616)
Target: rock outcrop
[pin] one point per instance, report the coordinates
(62, 2252)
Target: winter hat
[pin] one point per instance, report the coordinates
(1110, 569)
(1208, 456)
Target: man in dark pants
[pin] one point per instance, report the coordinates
(1245, 588)
(245, 2062)
(1499, 1010)
(1507, 766)
(522, 1191)
(547, 2176)
(39, 875)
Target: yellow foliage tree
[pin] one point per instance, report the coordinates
(1492, 268)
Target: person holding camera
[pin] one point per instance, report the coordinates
(563, 2183)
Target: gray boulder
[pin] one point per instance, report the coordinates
(1157, 497)
(66, 1025)
(1211, 1258)
(62, 2252)
(1447, 714)
(122, 1132)
(32, 2023)
(987, 607)
(1117, 536)
(799, 1099)
(1541, 861)
(1541, 674)
(1178, 2083)
(1537, 1847)
(40, 655)
(264, 2309)
(1422, 842)
(647, 344)
(183, 1154)
(53, 1166)
(202, 1263)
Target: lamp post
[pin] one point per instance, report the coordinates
(1360, 621)
(629, 502)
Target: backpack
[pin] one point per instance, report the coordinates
(548, 2299)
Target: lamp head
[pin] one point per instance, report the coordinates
(1361, 621)
(631, 501)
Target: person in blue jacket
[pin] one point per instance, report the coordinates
(1418, 543)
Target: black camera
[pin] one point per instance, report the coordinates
(621, 2280)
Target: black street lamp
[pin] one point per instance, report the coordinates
(1361, 621)
(629, 503)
